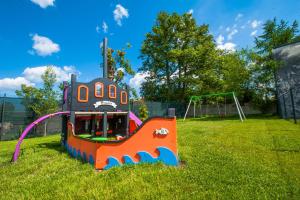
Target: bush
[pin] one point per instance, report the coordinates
(143, 112)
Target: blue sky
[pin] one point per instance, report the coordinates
(67, 34)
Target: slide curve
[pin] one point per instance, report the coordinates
(28, 128)
(135, 118)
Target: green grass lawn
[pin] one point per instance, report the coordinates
(257, 159)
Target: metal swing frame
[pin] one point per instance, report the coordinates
(194, 99)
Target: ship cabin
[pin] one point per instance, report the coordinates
(99, 110)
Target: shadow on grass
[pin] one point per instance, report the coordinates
(33, 149)
(55, 145)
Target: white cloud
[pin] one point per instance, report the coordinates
(255, 23)
(43, 3)
(243, 27)
(239, 16)
(104, 27)
(119, 13)
(32, 77)
(232, 33)
(12, 84)
(227, 29)
(43, 46)
(220, 39)
(228, 46)
(253, 33)
(137, 80)
(191, 11)
(97, 29)
(34, 74)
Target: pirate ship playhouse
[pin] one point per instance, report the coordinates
(99, 128)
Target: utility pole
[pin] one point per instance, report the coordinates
(105, 58)
(2, 117)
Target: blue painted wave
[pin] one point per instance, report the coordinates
(166, 156)
(77, 154)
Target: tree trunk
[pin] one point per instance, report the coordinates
(45, 128)
(168, 80)
(184, 82)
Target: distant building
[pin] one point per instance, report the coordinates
(288, 79)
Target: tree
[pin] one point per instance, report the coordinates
(264, 66)
(43, 100)
(233, 74)
(119, 66)
(143, 111)
(182, 60)
(176, 53)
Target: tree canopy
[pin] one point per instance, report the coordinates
(42, 100)
(119, 66)
(264, 66)
(181, 59)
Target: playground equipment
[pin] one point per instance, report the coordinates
(200, 99)
(99, 128)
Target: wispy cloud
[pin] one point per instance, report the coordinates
(138, 79)
(97, 29)
(255, 23)
(232, 33)
(43, 3)
(43, 46)
(104, 27)
(191, 11)
(7, 84)
(253, 33)
(239, 16)
(119, 13)
(228, 46)
(31, 76)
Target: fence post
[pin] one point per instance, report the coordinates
(293, 105)
(285, 113)
(2, 117)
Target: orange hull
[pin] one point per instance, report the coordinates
(146, 144)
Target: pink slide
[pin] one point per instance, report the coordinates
(135, 118)
(28, 128)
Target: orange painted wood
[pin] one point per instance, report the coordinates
(144, 139)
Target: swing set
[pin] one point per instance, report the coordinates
(201, 98)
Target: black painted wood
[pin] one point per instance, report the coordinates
(89, 106)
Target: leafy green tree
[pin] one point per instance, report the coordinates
(143, 111)
(182, 60)
(42, 100)
(233, 75)
(264, 68)
(119, 66)
(176, 53)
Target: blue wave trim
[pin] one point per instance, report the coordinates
(146, 157)
(84, 158)
(74, 153)
(128, 160)
(166, 156)
(79, 155)
(112, 162)
(91, 160)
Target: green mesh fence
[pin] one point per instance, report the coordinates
(159, 108)
(14, 118)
